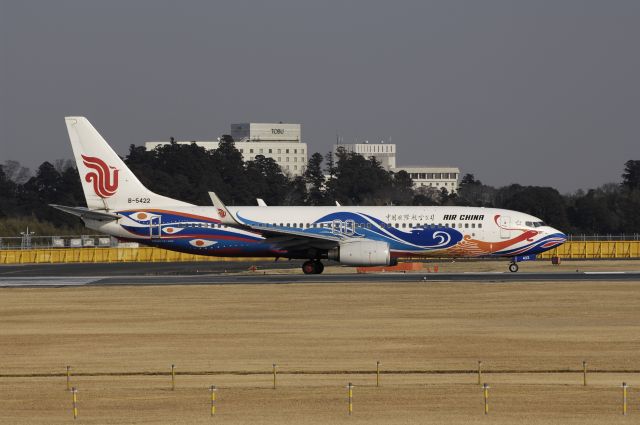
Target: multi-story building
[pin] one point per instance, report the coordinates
(423, 176)
(279, 141)
(384, 152)
(435, 177)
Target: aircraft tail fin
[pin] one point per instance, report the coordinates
(107, 182)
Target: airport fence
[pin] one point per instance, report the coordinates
(104, 249)
(554, 391)
(27, 241)
(106, 255)
(596, 250)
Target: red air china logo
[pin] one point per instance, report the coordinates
(221, 213)
(103, 177)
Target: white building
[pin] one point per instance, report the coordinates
(279, 141)
(435, 177)
(384, 152)
(423, 176)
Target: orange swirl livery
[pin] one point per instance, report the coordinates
(103, 177)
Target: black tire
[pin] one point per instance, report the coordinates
(309, 267)
(319, 267)
(513, 267)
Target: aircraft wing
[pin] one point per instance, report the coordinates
(285, 238)
(83, 213)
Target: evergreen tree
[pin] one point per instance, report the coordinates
(229, 165)
(631, 176)
(315, 180)
(402, 185)
(267, 180)
(7, 194)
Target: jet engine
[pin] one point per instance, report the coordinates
(362, 253)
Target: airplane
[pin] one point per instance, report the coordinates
(119, 205)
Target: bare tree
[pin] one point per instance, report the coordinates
(16, 172)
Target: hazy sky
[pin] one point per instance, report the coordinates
(535, 92)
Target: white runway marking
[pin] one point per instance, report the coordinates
(46, 281)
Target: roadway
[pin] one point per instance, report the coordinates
(214, 273)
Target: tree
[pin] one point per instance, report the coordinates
(7, 194)
(631, 175)
(545, 203)
(267, 180)
(229, 165)
(425, 195)
(469, 180)
(444, 196)
(16, 172)
(315, 180)
(472, 192)
(297, 193)
(402, 185)
(331, 182)
(360, 181)
(595, 212)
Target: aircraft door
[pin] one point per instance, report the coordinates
(349, 227)
(336, 227)
(505, 224)
(155, 227)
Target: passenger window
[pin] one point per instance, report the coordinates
(479, 225)
(397, 225)
(473, 225)
(466, 225)
(404, 225)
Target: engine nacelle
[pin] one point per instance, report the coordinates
(362, 253)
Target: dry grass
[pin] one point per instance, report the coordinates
(535, 326)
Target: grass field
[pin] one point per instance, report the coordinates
(212, 330)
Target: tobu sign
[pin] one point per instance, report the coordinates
(277, 131)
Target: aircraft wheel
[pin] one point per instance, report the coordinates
(513, 267)
(309, 267)
(319, 267)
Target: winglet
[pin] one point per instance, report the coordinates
(261, 202)
(223, 213)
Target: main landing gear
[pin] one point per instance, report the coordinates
(312, 267)
(513, 267)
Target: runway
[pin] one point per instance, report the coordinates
(236, 274)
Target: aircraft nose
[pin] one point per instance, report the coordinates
(559, 235)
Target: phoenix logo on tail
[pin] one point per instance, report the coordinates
(103, 177)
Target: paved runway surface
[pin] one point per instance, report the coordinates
(214, 274)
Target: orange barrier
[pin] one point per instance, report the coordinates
(400, 267)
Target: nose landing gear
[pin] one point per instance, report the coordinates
(312, 267)
(513, 267)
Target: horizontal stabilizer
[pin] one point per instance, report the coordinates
(86, 213)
